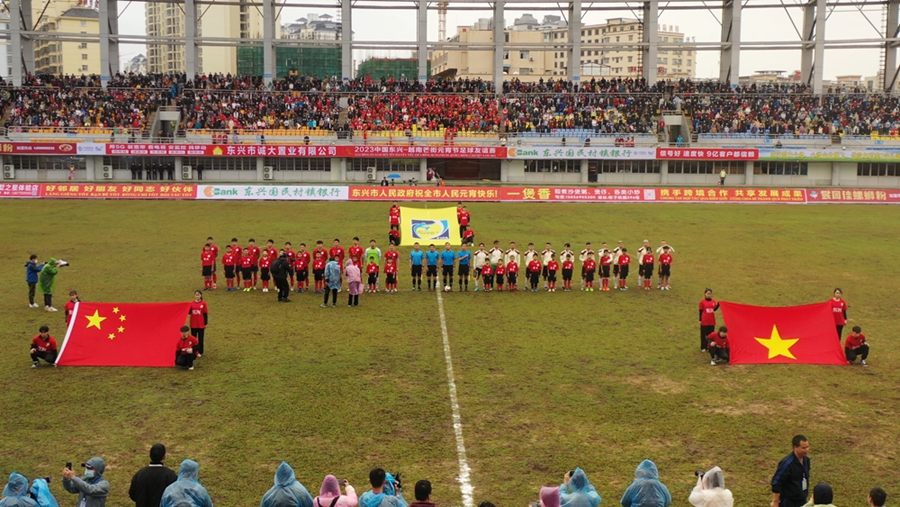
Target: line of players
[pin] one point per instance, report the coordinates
(245, 266)
(500, 268)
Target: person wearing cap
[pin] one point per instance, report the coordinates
(710, 490)
(15, 494)
(187, 490)
(148, 483)
(92, 488)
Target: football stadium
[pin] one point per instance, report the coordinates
(339, 254)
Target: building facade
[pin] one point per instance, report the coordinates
(240, 21)
(67, 57)
(625, 61)
(313, 27)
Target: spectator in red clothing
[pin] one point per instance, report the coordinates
(719, 348)
(423, 495)
(43, 346)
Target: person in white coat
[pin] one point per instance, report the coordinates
(710, 490)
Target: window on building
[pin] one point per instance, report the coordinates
(780, 168)
(617, 39)
(506, 55)
(299, 164)
(630, 58)
(624, 166)
(84, 56)
(506, 36)
(872, 169)
(83, 23)
(524, 55)
(630, 38)
(84, 68)
(552, 166)
(705, 167)
(223, 163)
(83, 45)
(689, 63)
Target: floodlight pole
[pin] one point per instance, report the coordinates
(109, 47)
(573, 69)
(191, 50)
(268, 42)
(499, 40)
(730, 57)
(22, 47)
(422, 40)
(650, 36)
(813, 53)
(346, 40)
(892, 29)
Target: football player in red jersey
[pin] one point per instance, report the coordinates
(534, 272)
(372, 270)
(512, 274)
(208, 261)
(719, 347)
(320, 250)
(394, 237)
(229, 261)
(291, 257)
(237, 251)
(271, 251)
(337, 252)
(665, 268)
(247, 269)
(390, 275)
(302, 268)
(589, 266)
(43, 346)
(319, 272)
(624, 263)
(552, 267)
(265, 262)
(355, 251)
(606, 261)
(70, 306)
(647, 262)
(708, 307)
(199, 313)
(856, 345)
(463, 218)
(393, 255)
(499, 272)
(487, 277)
(215, 251)
(567, 268)
(254, 256)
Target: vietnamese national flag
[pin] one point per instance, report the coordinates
(123, 334)
(782, 334)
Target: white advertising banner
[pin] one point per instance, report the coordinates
(273, 192)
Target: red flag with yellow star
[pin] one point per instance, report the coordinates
(782, 334)
(123, 334)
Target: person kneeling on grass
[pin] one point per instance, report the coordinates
(187, 490)
(186, 349)
(646, 490)
(43, 346)
(718, 346)
(855, 345)
(15, 494)
(385, 492)
(710, 490)
(577, 491)
(287, 491)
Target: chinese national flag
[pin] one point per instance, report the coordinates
(123, 334)
(784, 334)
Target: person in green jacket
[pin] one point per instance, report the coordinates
(46, 279)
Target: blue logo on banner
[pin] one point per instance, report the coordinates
(430, 230)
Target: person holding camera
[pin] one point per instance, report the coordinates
(646, 490)
(92, 489)
(15, 494)
(790, 484)
(330, 492)
(43, 346)
(710, 490)
(47, 279)
(385, 492)
(287, 491)
(32, 270)
(577, 491)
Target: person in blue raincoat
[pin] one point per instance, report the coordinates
(15, 494)
(333, 281)
(385, 491)
(287, 491)
(578, 491)
(186, 491)
(40, 492)
(646, 490)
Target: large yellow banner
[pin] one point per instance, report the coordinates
(426, 226)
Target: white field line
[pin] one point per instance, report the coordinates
(465, 486)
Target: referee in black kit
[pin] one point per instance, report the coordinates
(790, 484)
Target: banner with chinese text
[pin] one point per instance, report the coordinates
(544, 153)
(707, 154)
(273, 192)
(724, 195)
(832, 155)
(118, 191)
(858, 195)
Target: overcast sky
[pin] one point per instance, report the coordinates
(758, 25)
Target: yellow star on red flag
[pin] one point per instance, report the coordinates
(95, 319)
(777, 345)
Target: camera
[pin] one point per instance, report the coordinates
(397, 480)
(699, 473)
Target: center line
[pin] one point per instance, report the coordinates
(465, 486)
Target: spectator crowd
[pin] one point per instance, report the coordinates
(616, 105)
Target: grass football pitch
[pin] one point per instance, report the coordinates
(546, 382)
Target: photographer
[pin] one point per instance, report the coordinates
(710, 490)
(47, 279)
(93, 488)
(577, 491)
(15, 494)
(330, 492)
(386, 491)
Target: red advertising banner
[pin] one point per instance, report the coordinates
(865, 195)
(707, 154)
(369, 193)
(574, 194)
(283, 150)
(20, 190)
(773, 195)
(119, 191)
(38, 148)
